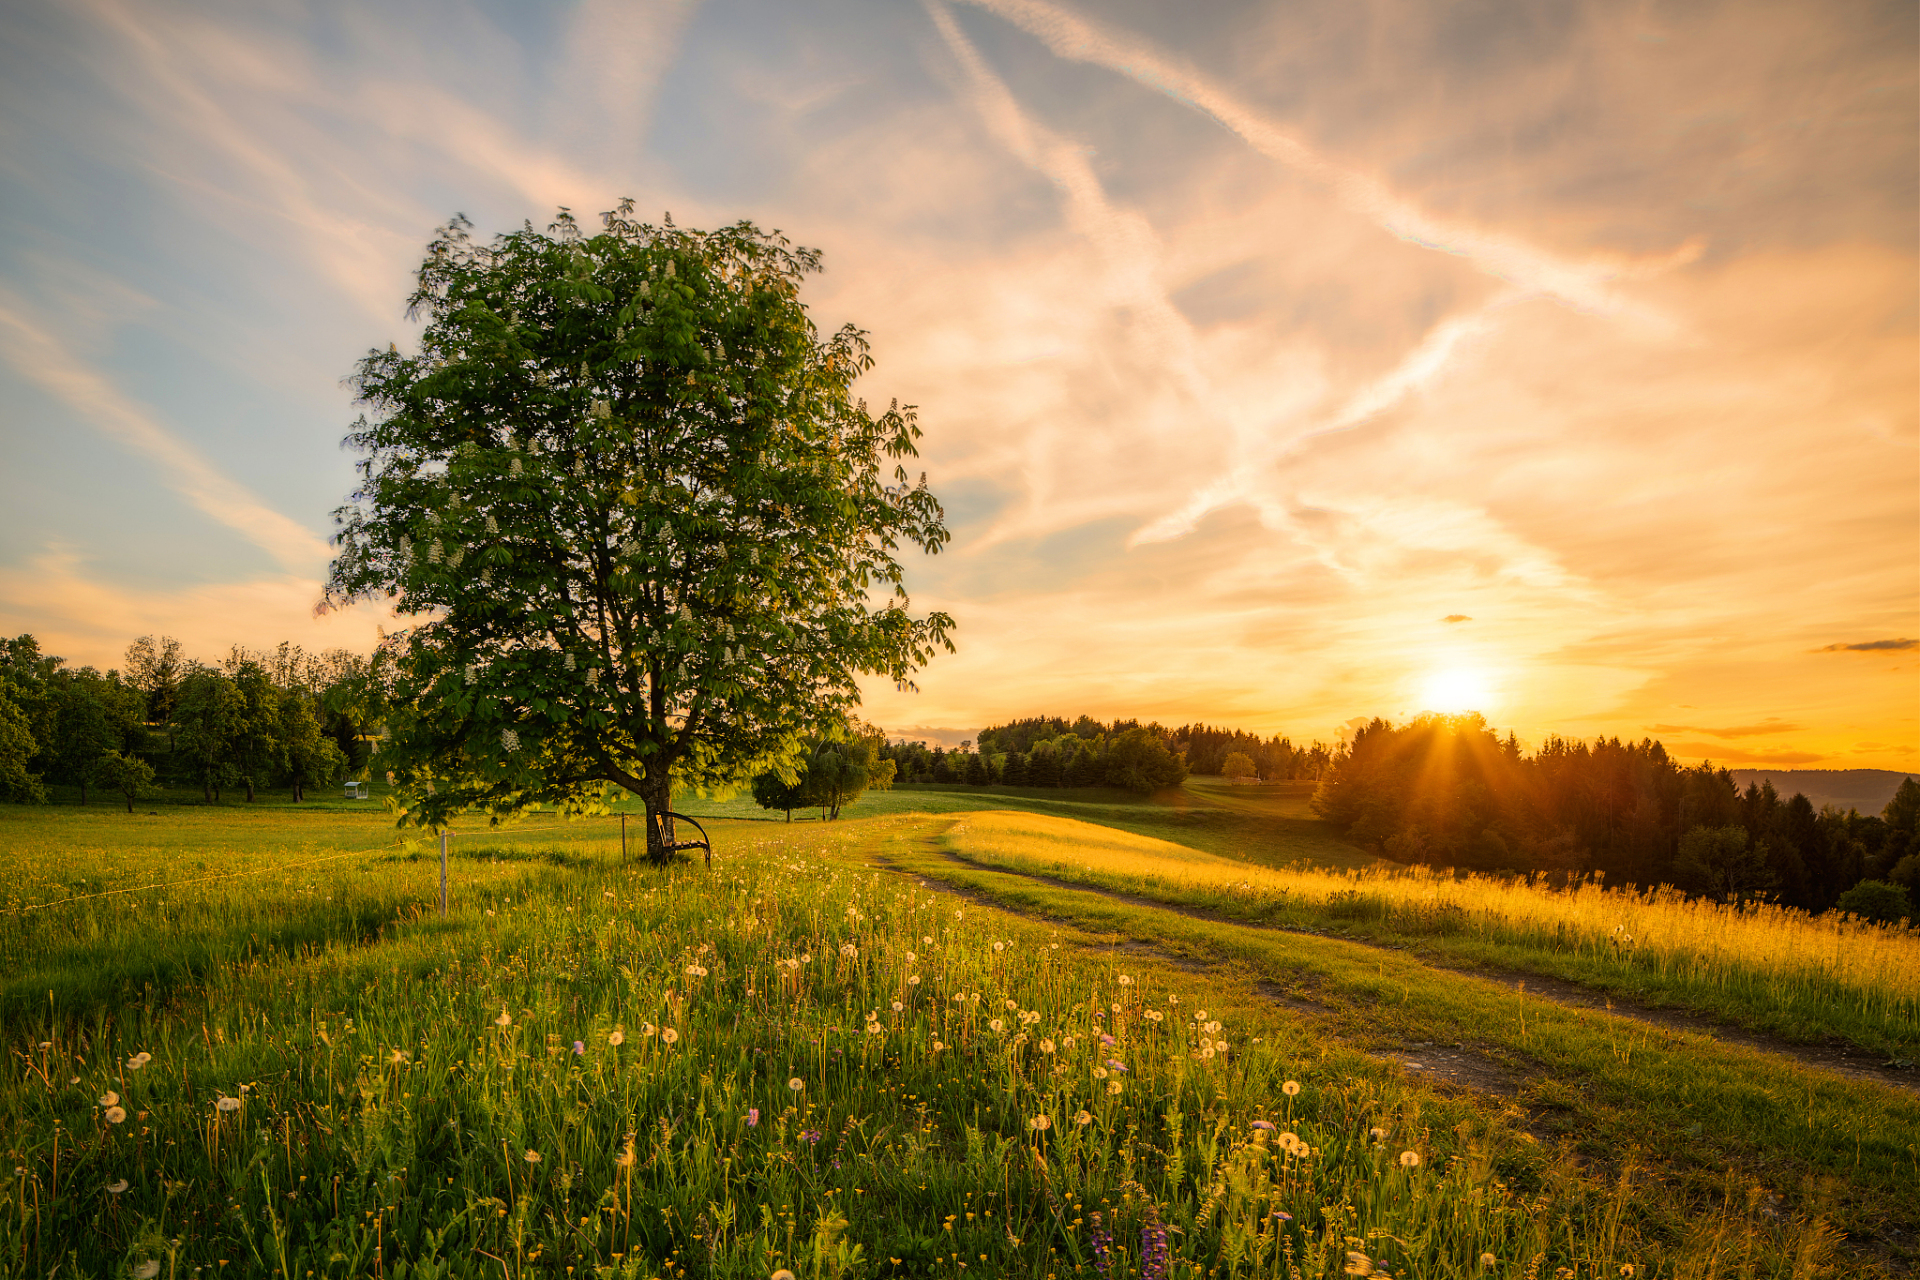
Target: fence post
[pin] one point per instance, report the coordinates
(443, 875)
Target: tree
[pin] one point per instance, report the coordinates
(209, 715)
(1878, 901)
(311, 756)
(258, 751)
(1238, 764)
(154, 667)
(1139, 761)
(86, 730)
(1721, 862)
(126, 773)
(627, 491)
(17, 747)
(771, 791)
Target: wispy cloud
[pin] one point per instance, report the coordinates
(1871, 646)
(1587, 284)
(1732, 731)
(39, 357)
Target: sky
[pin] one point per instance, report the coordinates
(1281, 364)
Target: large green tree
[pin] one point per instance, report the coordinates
(644, 528)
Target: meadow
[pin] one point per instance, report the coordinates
(246, 1043)
(1767, 967)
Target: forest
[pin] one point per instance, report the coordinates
(285, 719)
(1448, 791)
(1053, 751)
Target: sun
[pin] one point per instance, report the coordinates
(1456, 689)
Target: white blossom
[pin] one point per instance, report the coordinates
(510, 740)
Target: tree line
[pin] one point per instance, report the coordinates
(1449, 791)
(1053, 751)
(285, 719)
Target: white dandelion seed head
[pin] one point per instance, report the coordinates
(796, 1084)
(617, 1038)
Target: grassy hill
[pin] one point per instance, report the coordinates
(244, 1039)
(1867, 790)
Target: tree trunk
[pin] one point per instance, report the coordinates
(249, 788)
(206, 788)
(129, 802)
(658, 798)
(83, 791)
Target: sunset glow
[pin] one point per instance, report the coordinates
(1273, 373)
(1457, 689)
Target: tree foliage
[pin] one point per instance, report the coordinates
(645, 528)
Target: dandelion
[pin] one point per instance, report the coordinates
(848, 950)
(532, 1156)
(115, 1188)
(1172, 999)
(697, 970)
(1066, 1042)
(796, 1084)
(227, 1105)
(1377, 1134)
(897, 1006)
(911, 957)
(617, 1038)
(505, 1019)
(1012, 1005)
(937, 1046)
(1046, 1046)
(997, 1025)
(1221, 1045)
(109, 1098)
(914, 980)
(999, 947)
(1200, 1016)
(1290, 1088)
(1082, 1118)
(397, 1056)
(1099, 1073)
(1488, 1260)
(1409, 1159)
(1116, 1006)
(139, 1060)
(626, 1157)
(1040, 1123)
(753, 1117)
(148, 1269)
(116, 1115)
(646, 1030)
(1113, 1086)
(1125, 981)
(782, 1273)
(669, 1036)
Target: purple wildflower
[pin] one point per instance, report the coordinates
(810, 1135)
(1107, 1039)
(1264, 1124)
(1102, 1247)
(1153, 1247)
(579, 1048)
(753, 1116)
(1114, 1064)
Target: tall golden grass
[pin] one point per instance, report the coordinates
(1661, 928)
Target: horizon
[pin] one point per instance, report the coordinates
(1278, 368)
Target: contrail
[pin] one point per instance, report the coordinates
(1584, 285)
(39, 357)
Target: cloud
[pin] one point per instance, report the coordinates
(1586, 285)
(75, 614)
(1871, 646)
(1456, 617)
(1724, 755)
(37, 356)
(1736, 731)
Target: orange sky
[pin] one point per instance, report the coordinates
(1279, 364)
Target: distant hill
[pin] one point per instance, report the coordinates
(1867, 790)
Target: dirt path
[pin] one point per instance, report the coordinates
(1457, 1064)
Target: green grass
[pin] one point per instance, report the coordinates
(385, 1114)
(1700, 1110)
(1768, 969)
